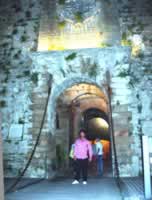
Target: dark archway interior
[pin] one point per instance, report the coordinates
(96, 124)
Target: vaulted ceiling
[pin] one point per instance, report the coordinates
(84, 96)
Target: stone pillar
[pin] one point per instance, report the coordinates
(76, 122)
(71, 127)
(1, 168)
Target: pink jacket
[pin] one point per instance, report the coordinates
(82, 149)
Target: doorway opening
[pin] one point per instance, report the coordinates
(83, 105)
(96, 123)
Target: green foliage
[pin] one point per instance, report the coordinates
(137, 96)
(35, 29)
(89, 68)
(17, 55)
(139, 121)
(123, 73)
(6, 79)
(129, 118)
(21, 121)
(33, 49)
(124, 36)
(93, 70)
(141, 26)
(71, 56)
(139, 107)
(61, 25)
(27, 73)
(148, 71)
(103, 45)
(140, 55)
(131, 84)
(28, 14)
(24, 38)
(3, 91)
(31, 5)
(133, 81)
(15, 31)
(61, 2)
(4, 45)
(8, 141)
(63, 72)
(34, 77)
(20, 20)
(16, 143)
(19, 76)
(125, 41)
(130, 28)
(118, 103)
(12, 49)
(2, 104)
(78, 17)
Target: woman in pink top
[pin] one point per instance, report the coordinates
(82, 153)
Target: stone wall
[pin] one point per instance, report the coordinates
(77, 70)
(24, 85)
(1, 168)
(18, 36)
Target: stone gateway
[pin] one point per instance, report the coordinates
(76, 42)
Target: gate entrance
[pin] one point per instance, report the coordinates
(96, 123)
(82, 105)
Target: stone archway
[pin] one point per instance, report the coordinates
(68, 114)
(57, 90)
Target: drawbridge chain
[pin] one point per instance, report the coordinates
(13, 186)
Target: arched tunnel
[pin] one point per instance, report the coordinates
(87, 107)
(96, 123)
(93, 107)
(81, 106)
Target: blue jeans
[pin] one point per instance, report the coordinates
(99, 164)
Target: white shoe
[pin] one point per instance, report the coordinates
(75, 182)
(84, 182)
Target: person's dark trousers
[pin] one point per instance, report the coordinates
(81, 168)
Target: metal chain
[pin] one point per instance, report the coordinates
(13, 186)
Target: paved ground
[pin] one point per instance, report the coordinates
(133, 187)
(98, 189)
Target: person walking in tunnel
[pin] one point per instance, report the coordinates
(82, 154)
(99, 153)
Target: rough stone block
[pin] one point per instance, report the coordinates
(16, 131)
(120, 108)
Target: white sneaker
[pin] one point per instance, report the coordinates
(75, 182)
(84, 182)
